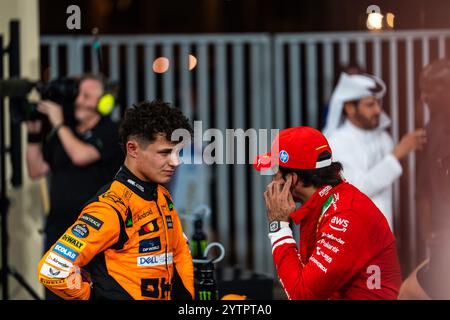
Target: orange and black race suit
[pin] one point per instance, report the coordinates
(129, 241)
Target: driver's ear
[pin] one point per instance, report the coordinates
(132, 147)
(295, 180)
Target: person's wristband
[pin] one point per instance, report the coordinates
(59, 126)
(34, 137)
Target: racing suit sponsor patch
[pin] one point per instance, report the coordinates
(80, 230)
(73, 242)
(169, 202)
(332, 237)
(149, 245)
(52, 272)
(339, 224)
(112, 196)
(52, 282)
(318, 264)
(129, 219)
(325, 191)
(57, 261)
(127, 194)
(65, 251)
(149, 227)
(323, 254)
(137, 185)
(92, 221)
(143, 215)
(328, 246)
(169, 222)
(155, 260)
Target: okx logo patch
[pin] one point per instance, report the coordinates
(149, 227)
(169, 222)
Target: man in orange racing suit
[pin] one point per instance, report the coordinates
(128, 241)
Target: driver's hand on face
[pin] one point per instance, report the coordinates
(279, 201)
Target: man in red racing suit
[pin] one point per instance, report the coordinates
(347, 250)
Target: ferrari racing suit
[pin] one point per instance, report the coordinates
(347, 250)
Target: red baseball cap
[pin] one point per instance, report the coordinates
(296, 148)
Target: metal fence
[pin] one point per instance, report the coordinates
(259, 81)
(229, 88)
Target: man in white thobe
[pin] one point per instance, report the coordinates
(356, 130)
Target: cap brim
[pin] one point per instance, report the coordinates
(264, 162)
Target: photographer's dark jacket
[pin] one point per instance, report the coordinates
(70, 185)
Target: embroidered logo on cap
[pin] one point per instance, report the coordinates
(284, 156)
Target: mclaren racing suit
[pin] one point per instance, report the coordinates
(347, 250)
(130, 241)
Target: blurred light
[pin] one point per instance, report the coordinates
(161, 65)
(375, 21)
(124, 5)
(192, 62)
(390, 20)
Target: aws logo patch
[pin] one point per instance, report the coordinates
(339, 224)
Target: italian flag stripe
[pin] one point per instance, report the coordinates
(327, 204)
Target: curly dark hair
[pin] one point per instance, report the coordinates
(330, 175)
(145, 120)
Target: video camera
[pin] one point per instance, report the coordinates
(62, 91)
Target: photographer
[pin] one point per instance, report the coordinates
(79, 158)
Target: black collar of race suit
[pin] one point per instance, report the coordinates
(146, 190)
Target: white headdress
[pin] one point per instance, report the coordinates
(349, 88)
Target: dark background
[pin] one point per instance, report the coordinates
(230, 16)
(255, 16)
